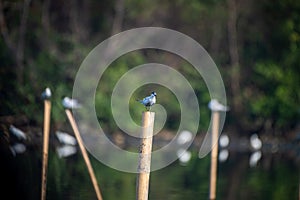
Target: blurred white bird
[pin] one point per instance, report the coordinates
(69, 103)
(224, 140)
(149, 101)
(17, 148)
(17, 132)
(184, 137)
(46, 94)
(223, 155)
(66, 151)
(254, 158)
(65, 138)
(184, 156)
(255, 142)
(215, 105)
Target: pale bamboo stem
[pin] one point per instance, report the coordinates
(84, 153)
(145, 151)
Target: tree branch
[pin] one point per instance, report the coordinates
(16, 49)
(22, 32)
(234, 56)
(78, 22)
(118, 20)
(4, 31)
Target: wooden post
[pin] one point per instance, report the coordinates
(145, 151)
(47, 111)
(299, 189)
(214, 155)
(84, 153)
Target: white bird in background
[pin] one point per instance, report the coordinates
(255, 142)
(17, 148)
(149, 101)
(184, 137)
(254, 158)
(69, 103)
(223, 155)
(224, 141)
(65, 138)
(17, 132)
(46, 94)
(215, 105)
(184, 156)
(65, 151)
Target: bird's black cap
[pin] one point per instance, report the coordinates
(154, 93)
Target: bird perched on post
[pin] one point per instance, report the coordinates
(46, 94)
(149, 101)
(215, 105)
(69, 103)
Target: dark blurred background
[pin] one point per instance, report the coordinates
(255, 44)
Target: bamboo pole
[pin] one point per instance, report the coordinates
(84, 153)
(299, 189)
(214, 155)
(47, 110)
(142, 189)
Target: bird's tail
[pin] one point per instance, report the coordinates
(138, 100)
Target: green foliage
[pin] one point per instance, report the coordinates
(268, 38)
(279, 101)
(277, 75)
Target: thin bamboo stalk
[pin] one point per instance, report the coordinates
(143, 177)
(47, 111)
(299, 189)
(84, 153)
(214, 155)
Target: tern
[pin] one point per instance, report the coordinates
(184, 137)
(255, 142)
(69, 103)
(254, 158)
(215, 105)
(46, 94)
(17, 148)
(65, 151)
(65, 138)
(224, 141)
(223, 155)
(184, 156)
(17, 132)
(149, 101)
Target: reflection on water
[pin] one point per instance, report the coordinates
(275, 176)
